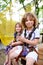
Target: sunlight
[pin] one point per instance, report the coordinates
(0, 22)
(7, 15)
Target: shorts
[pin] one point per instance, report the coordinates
(33, 55)
(18, 50)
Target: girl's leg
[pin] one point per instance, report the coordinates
(7, 57)
(6, 61)
(31, 58)
(13, 49)
(11, 57)
(15, 62)
(13, 54)
(30, 61)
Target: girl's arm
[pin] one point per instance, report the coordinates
(31, 42)
(16, 43)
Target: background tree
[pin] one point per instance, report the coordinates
(37, 9)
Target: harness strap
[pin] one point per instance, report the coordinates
(29, 36)
(35, 50)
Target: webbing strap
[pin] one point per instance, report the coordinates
(29, 36)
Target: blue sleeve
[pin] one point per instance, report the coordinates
(15, 35)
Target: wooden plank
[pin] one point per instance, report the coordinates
(41, 57)
(40, 52)
(40, 62)
(40, 47)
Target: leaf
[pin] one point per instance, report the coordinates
(7, 1)
(3, 6)
(28, 8)
(21, 1)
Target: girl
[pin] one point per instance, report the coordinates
(30, 22)
(15, 51)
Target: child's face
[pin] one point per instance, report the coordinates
(29, 23)
(18, 28)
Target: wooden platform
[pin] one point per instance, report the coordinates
(40, 50)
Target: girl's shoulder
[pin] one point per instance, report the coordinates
(15, 34)
(37, 30)
(37, 33)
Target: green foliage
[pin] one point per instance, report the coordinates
(42, 7)
(5, 3)
(21, 1)
(5, 0)
(40, 0)
(3, 6)
(37, 9)
(28, 7)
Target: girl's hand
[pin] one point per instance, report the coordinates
(20, 38)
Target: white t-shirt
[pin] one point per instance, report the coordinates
(35, 34)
